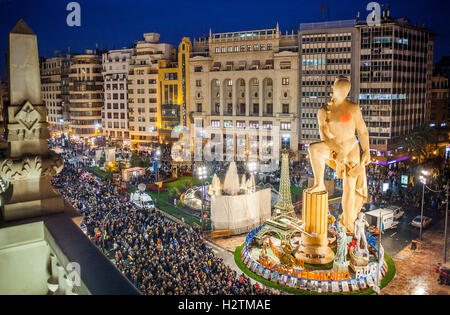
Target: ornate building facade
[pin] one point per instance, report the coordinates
(115, 110)
(245, 82)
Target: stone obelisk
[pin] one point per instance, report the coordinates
(26, 171)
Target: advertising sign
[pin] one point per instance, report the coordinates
(404, 180)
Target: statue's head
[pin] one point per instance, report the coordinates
(341, 88)
(361, 216)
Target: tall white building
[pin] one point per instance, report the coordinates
(327, 50)
(116, 65)
(395, 80)
(144, 91)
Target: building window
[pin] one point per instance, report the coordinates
(286, 142)
(255, 108)
(267, 125)
(198, 83)
(215, 123)
(199, 107)
(285, 108)
(285, 126)
(171, 76)
(228, 124)
(285, 81)
(254, 125)
(240, 124)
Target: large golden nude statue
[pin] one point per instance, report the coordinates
(340, 149)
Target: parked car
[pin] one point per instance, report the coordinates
(368, 206)
(398, 212)
(416, 221)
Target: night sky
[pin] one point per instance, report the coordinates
(118, 23)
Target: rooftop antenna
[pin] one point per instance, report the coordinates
(323, 11)
(357, 17)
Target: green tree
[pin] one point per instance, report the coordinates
(419, 140)
(135, 160)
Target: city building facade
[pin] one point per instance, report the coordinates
(174, 86)
(327, 50)
(395, 80)
(243, 83)
(144, 91)
(55, 90)
(115, 82)
(86, 95)
(440, 101)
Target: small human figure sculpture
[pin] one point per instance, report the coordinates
(263, 253)
(341, 151)
(380, 259)
(342, 242)
(360, 235)
(286, 257)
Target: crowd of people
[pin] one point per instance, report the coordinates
(157, 255)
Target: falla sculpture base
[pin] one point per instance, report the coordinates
(315, 250)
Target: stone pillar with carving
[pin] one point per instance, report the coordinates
(29, 165)
(315, 250)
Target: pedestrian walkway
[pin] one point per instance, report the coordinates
(416, 269)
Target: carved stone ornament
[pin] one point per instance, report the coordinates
(28, 116)
(28, 168)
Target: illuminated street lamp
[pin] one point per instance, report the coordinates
(423, 180)
(158, 154)
(446, 222)
(201, 173)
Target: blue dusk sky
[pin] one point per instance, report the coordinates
(117, 23)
